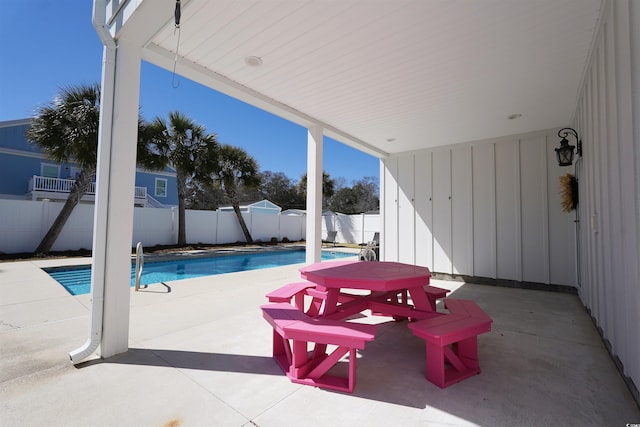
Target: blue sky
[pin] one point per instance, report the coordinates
(51, 44)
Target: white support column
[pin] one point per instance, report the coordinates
(114, 200)
(314, 194)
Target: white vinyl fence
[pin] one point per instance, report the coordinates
(351, 228)
(23, 223)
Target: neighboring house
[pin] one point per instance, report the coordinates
(263, 206)
(325, 212)
(27, 173)
(294, 212)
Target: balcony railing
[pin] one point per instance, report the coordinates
(57, 185)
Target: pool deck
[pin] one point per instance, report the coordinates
(200, 355)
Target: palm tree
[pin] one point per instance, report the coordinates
(186, 146)
(328, 188)
(67, 131)
(235, 168)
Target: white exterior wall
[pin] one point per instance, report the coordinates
(608, 121)
(488, 209)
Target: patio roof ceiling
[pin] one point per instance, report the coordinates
(384, 76)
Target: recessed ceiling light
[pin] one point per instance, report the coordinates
(253, 61)
(514, 116)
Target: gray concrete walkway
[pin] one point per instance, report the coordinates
(201, 356)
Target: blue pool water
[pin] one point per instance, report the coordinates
(77, 280)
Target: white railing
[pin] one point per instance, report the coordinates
(139, 264)
(58, 185)
(140, 193)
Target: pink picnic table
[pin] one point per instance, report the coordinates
(451, 338)
(385, 280)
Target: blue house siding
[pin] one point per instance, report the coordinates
(148, 179)
(13, 135)
(21, 160)
(14, 180)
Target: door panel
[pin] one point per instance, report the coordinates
(406, 211)
(461, 211)
(424, 213)
(442, 212)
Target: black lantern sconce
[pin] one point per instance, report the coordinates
(565, 151)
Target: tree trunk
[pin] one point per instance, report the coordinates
(77, 191)
(243, 225)
(182, 192)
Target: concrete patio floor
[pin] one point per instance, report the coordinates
(201, 356)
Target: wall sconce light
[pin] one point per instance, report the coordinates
(565, 151)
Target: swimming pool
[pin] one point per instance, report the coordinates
(77, 280)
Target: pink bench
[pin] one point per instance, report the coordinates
(289, 323)
(452, 341)
(295, 291)
(435, 293)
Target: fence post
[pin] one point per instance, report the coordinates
(215, 236)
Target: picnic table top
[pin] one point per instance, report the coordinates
(374, 276)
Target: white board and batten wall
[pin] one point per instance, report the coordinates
(487, 209)
(608, 121)
(492, 208)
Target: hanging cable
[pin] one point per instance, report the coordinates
(177, 13)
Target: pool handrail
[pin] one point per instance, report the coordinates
(139, 264)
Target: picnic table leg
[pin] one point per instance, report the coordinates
(320, 295)
(300, 358)
(419, 299)
(352, 369)
(404, 297)
(330, 307)
(299, 301)
(331, 303)
(435, 364)
(282, 352)
(467, 351)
